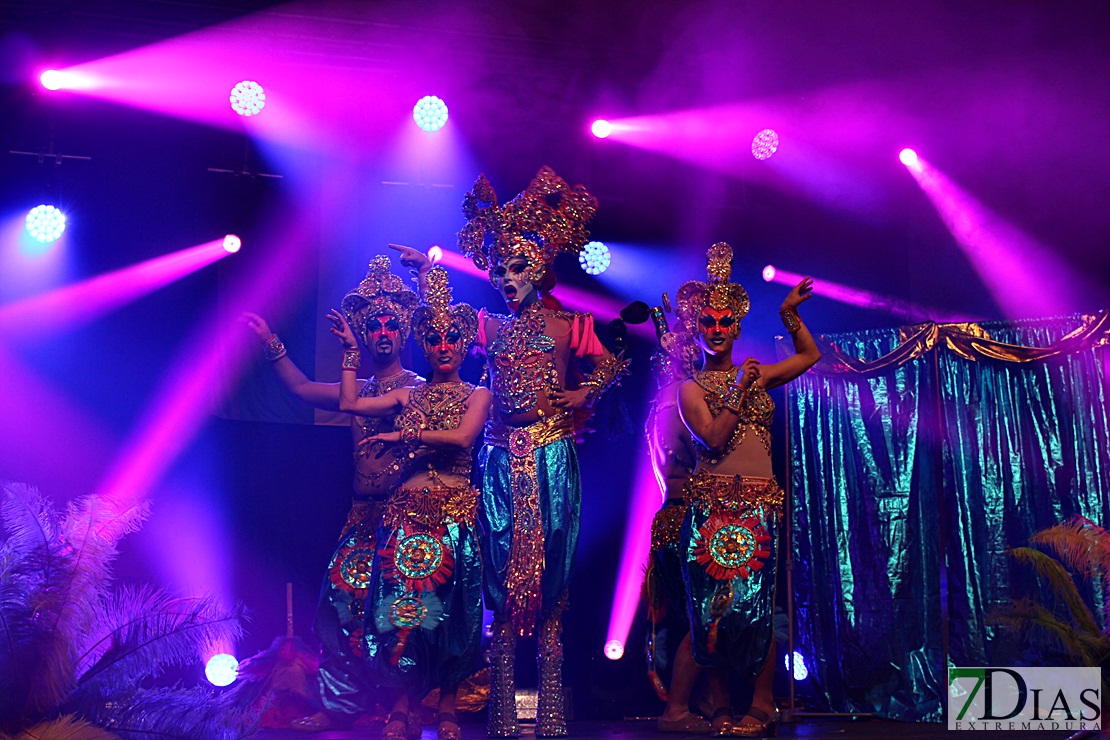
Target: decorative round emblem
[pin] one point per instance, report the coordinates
(730, 548)
(351, 570)
(407, 612)
(418, 556)
(520, 443)
(421, 559)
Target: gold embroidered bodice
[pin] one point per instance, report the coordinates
(371, 425)
(437, 407)
(377, 465)
(522, 361)
(756, 413)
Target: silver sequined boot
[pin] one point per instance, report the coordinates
(502, 689)
(551, 720)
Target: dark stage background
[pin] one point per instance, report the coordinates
(1008, 99)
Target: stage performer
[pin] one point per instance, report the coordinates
(672, 459)
(424, 610)
(734, 504)
(531, 489)
(379, 311)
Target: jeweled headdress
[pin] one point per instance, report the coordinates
(677, 359)
(717, 293)
(380, 292)
(437, 314)
(547, 218)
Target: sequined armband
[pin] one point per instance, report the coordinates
(791, 320)
(352, 359)
(273, 350)
(410, 437)
(606, 374)
(733, 400)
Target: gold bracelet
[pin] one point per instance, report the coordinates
(352, 359)
(410, 436)
(790, 319)
(273, 349)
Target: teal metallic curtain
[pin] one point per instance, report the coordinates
(931, 444)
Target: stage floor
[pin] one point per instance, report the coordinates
(813, 728)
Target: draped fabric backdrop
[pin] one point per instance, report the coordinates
(919, 457)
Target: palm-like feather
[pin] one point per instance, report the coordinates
(1027, 617)
(1080, 543)
(143, 630)
(66, 727)
(36, 661)
(170, 713)
(1061, 585)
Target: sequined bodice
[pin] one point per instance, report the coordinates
(522, 362)
(756, 413)
(370, 425)
(438, 407)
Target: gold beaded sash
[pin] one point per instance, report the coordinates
(666, 526)
(431, 506)
(524, 571)
(733, 493)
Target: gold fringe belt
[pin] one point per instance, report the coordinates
(733, 493)
(431, 506)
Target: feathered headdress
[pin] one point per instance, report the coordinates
(381, 292)
(437, 314)
(717, 293)
(547, 218)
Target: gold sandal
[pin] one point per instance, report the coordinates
(768, 723)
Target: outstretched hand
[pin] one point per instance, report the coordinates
(387, 437)
(257, 324)
(413, 258)
(799, 294)
(341, 329)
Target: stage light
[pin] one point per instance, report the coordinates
(52, 79)
(614, 649)
(248, 98)
(765, 143)
(601, 128)
(769, 273)
(594, 258)
(430, 113)
(232, 243)
(435, 254)
(800, 670)
(908, 157)
(221, 669)
(45, 223)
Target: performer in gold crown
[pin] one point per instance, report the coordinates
(379, 311)
(531, 490)
(672, 459)
(424, 610)
(734, 505)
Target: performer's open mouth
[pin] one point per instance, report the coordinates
(509, 291)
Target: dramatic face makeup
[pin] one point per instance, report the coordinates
(513, 280)
(383, 335)
(717, 329)
(444, 352)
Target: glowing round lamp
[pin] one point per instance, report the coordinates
(221, 669)
(601, 128)
(248, 98)
(614, 650)
(232, 243)
(908, 157)
(435, 254)
(800, 670)
(765, 143)
(430, 113)
(52, 79)
(769, 273)
(594, 258)
(45, 224)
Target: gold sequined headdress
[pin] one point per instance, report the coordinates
(717, 293)
(547, 218)
(381, 292)
(437, 314)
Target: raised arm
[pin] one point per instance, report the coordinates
(715, 431)
(349, 400)
(320, 395)
(806, 353)
(606, 369)
(463, 436)
(417, 260)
